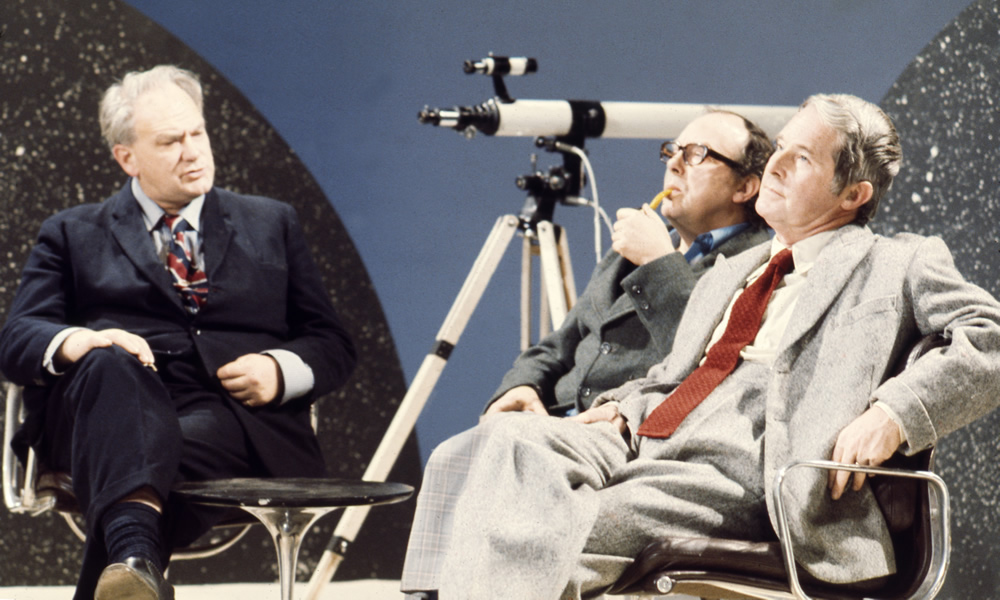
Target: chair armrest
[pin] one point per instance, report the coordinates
(13, 472)
(940, 513)
(19, 481)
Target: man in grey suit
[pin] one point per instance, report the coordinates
(624, 322)
(556, 508)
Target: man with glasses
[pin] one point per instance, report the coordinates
(624, 321)
(785, 353)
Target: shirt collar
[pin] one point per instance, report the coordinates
(804, 252)
(708, 241)
(151, 211)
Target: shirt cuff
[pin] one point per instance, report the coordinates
(892, 415)
(50, 351)
(296, 374)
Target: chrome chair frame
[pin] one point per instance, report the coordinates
(939, 517)
(940, 521)
(936, 517)
(22, 495)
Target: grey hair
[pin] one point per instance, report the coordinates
(117, 112)
(869, 146)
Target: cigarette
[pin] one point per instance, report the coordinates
(659, 198)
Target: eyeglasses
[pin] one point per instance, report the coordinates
(695, 154)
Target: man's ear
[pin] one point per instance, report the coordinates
(126, 159)
(855, 196)
(747, 189)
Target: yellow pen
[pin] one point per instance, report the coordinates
(655, 203)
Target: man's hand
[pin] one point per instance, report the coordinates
(253, 379)
(869, 440)
(522, 398)
(598, 414)
(80, 342)
(640, 235)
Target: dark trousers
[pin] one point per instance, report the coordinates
(118, 426)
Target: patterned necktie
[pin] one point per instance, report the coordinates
(723, 356)
(189, 281)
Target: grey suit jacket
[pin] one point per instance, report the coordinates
(622, 324)
(866, 299)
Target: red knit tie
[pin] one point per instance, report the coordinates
(724, 355)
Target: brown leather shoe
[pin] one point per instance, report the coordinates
(134, 579)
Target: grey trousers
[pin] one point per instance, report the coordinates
(556, 509)
(524, 506)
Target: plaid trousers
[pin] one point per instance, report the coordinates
(444, 480)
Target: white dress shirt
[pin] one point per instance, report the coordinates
(781, 305)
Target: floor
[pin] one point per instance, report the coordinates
(370, 589)
(347, 590)
(341, 590)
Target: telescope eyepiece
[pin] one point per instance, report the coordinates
(501, 65)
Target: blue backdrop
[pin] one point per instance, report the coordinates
(343, 82)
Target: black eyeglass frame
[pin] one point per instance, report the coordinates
(695, 154)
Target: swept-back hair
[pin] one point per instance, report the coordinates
(117, 112)
(869, 146)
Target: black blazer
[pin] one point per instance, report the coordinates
(95, 266)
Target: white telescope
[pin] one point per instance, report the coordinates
(592, 119)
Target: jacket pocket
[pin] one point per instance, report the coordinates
(867, 309)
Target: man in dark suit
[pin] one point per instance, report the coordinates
(624, 322)
(174, 332)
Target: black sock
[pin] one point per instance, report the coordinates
(132, 529)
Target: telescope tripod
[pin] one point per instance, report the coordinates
(557, 295)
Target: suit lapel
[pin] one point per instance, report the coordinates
(217, 233)
(612, 301)
(129, 230)
(707, 306)
(828, 277)
(623, 305)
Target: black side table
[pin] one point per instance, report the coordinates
(288, 507)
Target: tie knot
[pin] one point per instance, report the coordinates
(175, 223)
(783, 262)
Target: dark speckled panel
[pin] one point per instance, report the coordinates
(946, 105)
(58, 57)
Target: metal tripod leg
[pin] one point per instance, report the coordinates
(558, 288)
(430, 370)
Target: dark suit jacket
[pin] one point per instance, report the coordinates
(623, 324)
(95, 266)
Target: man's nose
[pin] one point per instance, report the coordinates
(777, 163)
(675, 164)
(190, 150)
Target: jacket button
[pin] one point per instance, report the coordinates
(605, 348)
(637, 289)
(584, 391)
(645, 305)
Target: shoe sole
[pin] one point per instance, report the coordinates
(121, 582)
